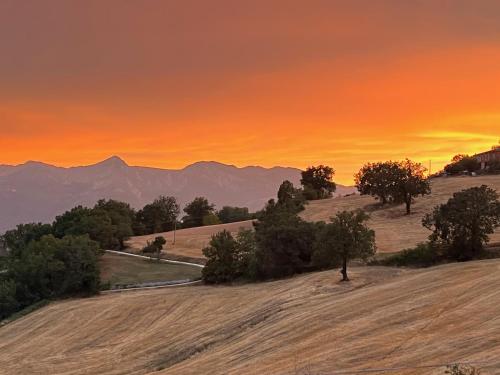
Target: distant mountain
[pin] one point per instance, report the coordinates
(36, 191)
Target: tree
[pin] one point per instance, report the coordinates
(229, 258)
(221, 257)
(8, 301)
(159, 216)
(377, 180)
(210, 219)
(196, 211)
(230, 214)
(52, 267)
(122, 218)
(17, 239)
(317, 182)
(409, 182)
(284, 242)
(290, 197)
(155, 246)
(464, 223)
(346, 237)
(82, 220)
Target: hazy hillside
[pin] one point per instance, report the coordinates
(382, 318)
(38, 192)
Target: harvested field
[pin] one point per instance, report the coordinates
(394, 230)
(188, 242)
(312, 324)
(122, 269)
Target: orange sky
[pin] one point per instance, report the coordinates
(293, 83)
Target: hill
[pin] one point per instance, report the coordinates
(394, 230)
(37, 191)
(309, 324)
(188, 242)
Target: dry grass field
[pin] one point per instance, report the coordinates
(310, 324)
(188, 242)
(122, 269)
(393, 229)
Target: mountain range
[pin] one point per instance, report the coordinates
(37, 192)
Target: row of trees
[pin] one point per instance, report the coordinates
(393, 181)
(283, 244)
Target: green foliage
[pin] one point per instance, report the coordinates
(464, 223)
(154, 246)
(8, 301)
(210, 219)
(222, 259)
(50, 268)
(290, 198)
(284, 242)
(17, 239)
(159, 216)
(229, 258)
(378, 180)
(230, 214)
(347, 237)
(317, 182)
(423, 255)
(196, 211)
(462, 163)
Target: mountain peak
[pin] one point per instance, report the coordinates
(113, 161)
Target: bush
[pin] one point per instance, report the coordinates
(154, 246)
(423, 255)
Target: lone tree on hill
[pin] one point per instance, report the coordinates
(196, 211)
(378, 180)
(465, 221)
(317, 182)
(346, 237)
(410, 182)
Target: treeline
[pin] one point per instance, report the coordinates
(282, 244)
(48, 261)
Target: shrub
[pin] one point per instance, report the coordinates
(423, 255)
(154, 246)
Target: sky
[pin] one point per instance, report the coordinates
(259, 82)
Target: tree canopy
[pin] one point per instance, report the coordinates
(158, 216)
(317, 182)
(346, 237)
(464, 223)
(196, 211)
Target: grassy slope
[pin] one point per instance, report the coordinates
(121, 269)
(383, 318)
(394, 230)
(188, 242)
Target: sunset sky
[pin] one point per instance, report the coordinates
(292, 83)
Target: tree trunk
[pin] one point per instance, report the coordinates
(344, 270)
(408, 205)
